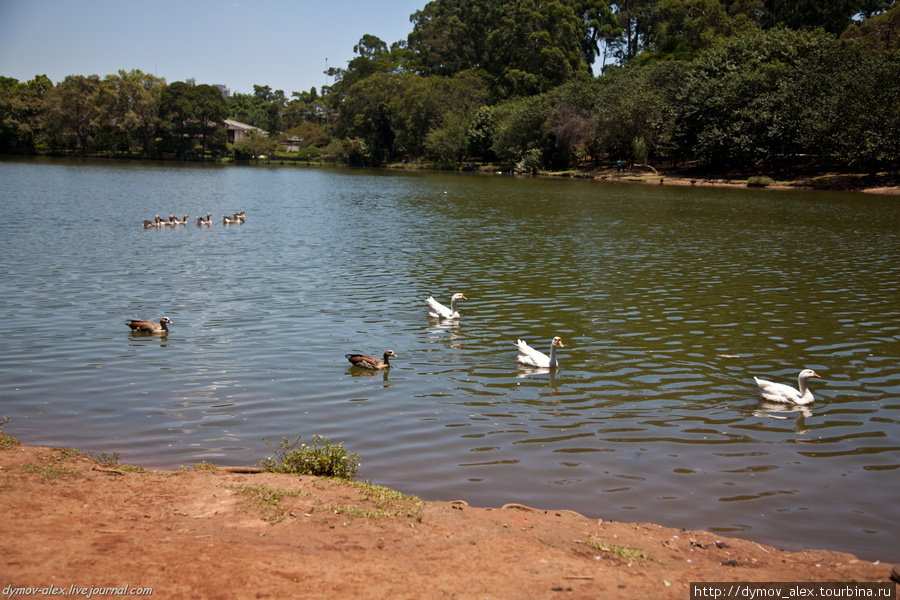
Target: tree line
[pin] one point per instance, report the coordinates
(544, 84)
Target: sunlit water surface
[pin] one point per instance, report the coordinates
(668, 299)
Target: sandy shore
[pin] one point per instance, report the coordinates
(206, 532)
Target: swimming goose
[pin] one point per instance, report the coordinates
(529, 357)
(439, 311)
(156, 222)
(778, 392)
(150, 326)
(182, 221)
(240, 216)
(226, 220)
(206, 221)
(370, 362)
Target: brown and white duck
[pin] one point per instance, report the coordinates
(370, 362)
(226, 220)
(206, 221)
(182, 221)
(150, 326)
(241, 216)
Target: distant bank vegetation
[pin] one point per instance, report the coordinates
(547, 85)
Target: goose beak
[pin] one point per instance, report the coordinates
(816, 375)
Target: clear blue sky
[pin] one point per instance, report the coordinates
(280, 43)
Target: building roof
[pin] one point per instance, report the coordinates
(237, 125)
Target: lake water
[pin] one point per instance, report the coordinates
(668, 300)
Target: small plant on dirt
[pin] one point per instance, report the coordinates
(322, 458)
(627, 555)
(205, 466)
(6, 441)
(104, 458)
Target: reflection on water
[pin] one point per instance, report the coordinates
(669, 300)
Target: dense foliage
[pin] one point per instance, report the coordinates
(543, 84)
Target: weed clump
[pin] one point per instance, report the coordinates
(267, 500)
(321, 458)
(626, 555)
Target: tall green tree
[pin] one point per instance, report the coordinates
(21, 108)
(599, 27)
(72, 113)
(681, 28)
(480, 136)
(635, 18)
(638, 103)
(846, 100)
(372, 57)
(834, 16)
(304, 107)
(248, 108)
(190, 114)
(369, 113)
(131, 108)
(737, 107)
(879, 32)
(526, 46)
(521, 128)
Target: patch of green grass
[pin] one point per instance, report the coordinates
(387, 503)
(132, 468)
(52, 472)
(267, 500)
(59, 455)
(205, 466)
(627, 555)
(321, 458)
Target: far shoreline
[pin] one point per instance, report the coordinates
(806, 178)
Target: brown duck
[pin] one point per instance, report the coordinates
(150, 326)
(370, 362)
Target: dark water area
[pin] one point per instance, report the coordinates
(669, 301)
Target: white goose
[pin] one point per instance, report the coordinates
(529, 357)
(436, 310)
(778, 392)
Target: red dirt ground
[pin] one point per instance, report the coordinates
(68, 520)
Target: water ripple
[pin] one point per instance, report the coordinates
(669, 301)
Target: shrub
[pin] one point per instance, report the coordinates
(759, 181)
(322, 458)
(5, 440)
